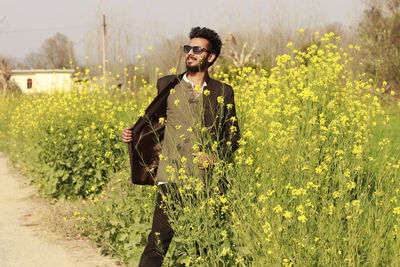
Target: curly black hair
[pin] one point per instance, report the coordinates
(211, 36)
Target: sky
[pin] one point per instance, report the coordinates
(134, 25)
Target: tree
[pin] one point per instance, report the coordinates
(380, 35)
(55, 52)
(34, 60)
(6, 75)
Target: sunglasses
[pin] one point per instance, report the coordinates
(196, 49)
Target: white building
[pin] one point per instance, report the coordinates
(38, 80)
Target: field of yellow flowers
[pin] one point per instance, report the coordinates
(314, 182)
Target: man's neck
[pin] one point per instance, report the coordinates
(197, 78)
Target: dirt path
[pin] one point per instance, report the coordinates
(24, 242)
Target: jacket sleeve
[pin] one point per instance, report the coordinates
(160, 85)
(231, 130)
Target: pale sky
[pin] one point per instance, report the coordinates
(26, 24)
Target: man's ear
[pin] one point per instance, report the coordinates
(211, 57)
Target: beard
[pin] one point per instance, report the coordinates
(198, 67)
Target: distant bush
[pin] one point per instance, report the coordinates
(380, 42)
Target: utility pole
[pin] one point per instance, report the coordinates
(104, 50)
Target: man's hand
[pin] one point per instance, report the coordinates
(127, 134)
(204, 160)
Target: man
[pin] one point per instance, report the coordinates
(193, 118)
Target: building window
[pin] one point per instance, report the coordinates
(29, 83)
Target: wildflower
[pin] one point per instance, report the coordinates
(298, 192)
(225, 251)
(196, 148)
(278, 209)
(396, 210)
(357, 150)
(249, 161)
(312, 185)
(300, 209)
(239, 260)
(267, 229)
(183, 160)
(223, 199)
(355, 203)
(350, 185)
(302, 218)
(336, 194)
(287, 214)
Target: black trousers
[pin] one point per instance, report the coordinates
(160, 236)
(161, 233)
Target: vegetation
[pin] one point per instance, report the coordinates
(55, 53)
(314, 181)
(380, 36)
(6, 75)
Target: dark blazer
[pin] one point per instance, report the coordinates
(148, 132)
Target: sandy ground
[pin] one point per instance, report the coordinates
(25, 241)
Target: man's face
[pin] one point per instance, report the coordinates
(198, 62)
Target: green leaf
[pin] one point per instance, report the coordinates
(65, 177)
(122, 237)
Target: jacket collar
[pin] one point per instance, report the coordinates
(206, 80)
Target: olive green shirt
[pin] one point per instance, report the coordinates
(183, 122)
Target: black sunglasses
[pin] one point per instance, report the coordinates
(196, 49)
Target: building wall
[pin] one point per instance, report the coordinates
(42, 81)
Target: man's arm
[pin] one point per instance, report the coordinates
(126, 134)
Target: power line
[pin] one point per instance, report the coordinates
(46, 29)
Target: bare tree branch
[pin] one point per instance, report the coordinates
(6, 75)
